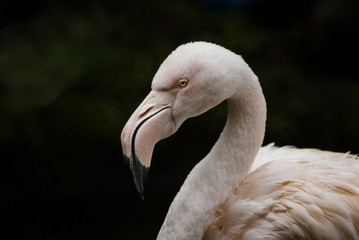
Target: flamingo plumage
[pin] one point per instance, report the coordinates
(240, 190)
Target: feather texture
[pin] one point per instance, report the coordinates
(293, 193)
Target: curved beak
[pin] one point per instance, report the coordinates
(151, 122)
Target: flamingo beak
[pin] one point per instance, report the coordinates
(151, 122)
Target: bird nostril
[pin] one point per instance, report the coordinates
(143, 113)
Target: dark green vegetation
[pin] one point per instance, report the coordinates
(72, 72)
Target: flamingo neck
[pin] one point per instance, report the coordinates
(212, 180)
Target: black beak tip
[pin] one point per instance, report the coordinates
(139, 174)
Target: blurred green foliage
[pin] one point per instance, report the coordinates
(72, 72)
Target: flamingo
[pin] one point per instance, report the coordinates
(240, 190)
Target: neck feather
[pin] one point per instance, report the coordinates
(213, 179)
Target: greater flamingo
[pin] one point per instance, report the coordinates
(240, 190)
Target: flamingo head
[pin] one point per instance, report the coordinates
(194, 78)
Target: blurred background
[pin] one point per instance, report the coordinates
(72, 72)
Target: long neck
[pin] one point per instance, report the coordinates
(213, 179)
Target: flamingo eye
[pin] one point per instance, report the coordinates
(182, 83)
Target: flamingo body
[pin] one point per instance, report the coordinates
(292, 193)
(240, 190)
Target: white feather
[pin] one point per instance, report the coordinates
(293, 193)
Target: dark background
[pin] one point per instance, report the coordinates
(72, 72)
